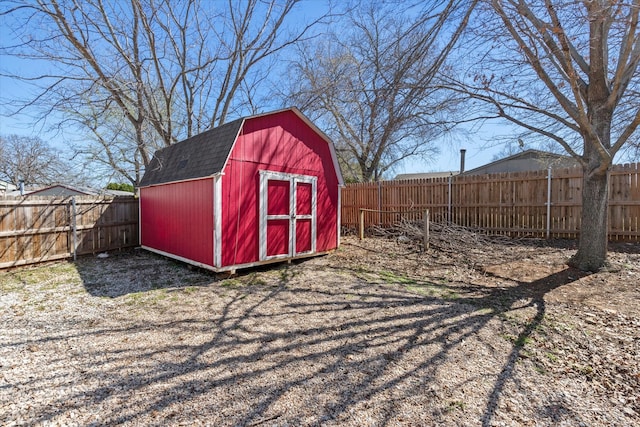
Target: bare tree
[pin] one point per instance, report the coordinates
(163, 70)
(107, 143)
(567, 71)
(32, 161)
(371, 83)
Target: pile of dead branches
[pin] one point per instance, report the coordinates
(443, 236)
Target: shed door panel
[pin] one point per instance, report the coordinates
(278, 198)
(277, 237)
(278, 217)
(303, 198)
(304, 218)
(303, 236)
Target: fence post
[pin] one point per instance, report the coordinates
(449, 203)
(361, 224)
(380, 203)
(74, 227)
(426, 230)
(548, 202)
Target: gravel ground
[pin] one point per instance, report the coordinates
(375, 334)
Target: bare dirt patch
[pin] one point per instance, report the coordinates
(377, 333)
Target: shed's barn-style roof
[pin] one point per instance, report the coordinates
(201, 155)
(206, 154)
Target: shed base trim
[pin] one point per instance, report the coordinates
(233, 268)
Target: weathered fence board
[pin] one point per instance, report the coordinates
(514, 204)
(41, 229)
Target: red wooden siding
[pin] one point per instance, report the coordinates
(279, 142)
(177, 218)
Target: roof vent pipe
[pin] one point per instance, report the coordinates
(462, 153)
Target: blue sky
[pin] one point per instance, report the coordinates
(22, 124)
(479, 144)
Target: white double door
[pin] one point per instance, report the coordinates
(287, 215)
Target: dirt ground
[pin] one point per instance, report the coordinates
(492, 333)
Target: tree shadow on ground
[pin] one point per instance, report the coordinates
(534, 292)
(335, 347)
(133, 271)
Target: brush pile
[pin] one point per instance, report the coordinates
(443, 236)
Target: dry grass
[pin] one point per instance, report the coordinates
(372, 335)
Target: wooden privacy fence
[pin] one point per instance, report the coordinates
(42, 229)
(544, 203)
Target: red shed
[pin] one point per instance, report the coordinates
(256, 190)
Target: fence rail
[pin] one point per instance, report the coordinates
(538, 203)
(43, 229)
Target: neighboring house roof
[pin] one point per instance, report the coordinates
(117, 193)
(528, 160)
(107, 192)
(425, 175)
(62, 190)
(206, 154)
(59, 190)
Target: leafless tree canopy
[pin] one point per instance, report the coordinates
(561, 70)
(371, 83)
(140, 74)
(32, 161)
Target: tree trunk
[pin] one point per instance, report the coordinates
(592, 246)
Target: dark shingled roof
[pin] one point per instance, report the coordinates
(199, 156)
